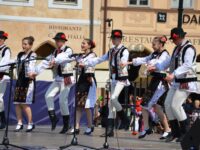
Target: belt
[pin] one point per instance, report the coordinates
(185, 80)
(158, 74)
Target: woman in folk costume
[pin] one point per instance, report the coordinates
(119, 78)
(59, 62)
(86, 86)
(5, 55)
(182, 76)
(157, 88)
(25, 84)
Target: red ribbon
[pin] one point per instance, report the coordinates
(117, 34)
(174, 36)
(5, 34)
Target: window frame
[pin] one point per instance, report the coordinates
(192, 7)
(137, 5)
(30, 3)
(61, 5)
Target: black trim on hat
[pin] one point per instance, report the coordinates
(116, 34)
(60, 36)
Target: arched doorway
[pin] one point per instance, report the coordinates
(137, 74)
(45, 49)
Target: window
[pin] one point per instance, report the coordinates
(65, 1)
(65, 4)
(139, 3)
(17, 2)
(186, 3)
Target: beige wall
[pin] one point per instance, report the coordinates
(140, 24)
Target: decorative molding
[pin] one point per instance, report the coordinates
(48, 20)
(52, 4)
(30, 3)
(146, 9)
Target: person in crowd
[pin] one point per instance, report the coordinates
(183, 80)
(24, 94)
(158, 87)
(60, 63)
(119, 78)
(5, 54)
(86, 86)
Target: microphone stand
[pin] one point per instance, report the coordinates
(5, 141)
(74, 141)
(106, 145)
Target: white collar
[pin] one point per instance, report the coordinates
(183, 42)
(118, 47)
(63, 47)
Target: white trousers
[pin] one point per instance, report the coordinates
(54, 88)
(173, 104)
(114, 104)
(3, 85)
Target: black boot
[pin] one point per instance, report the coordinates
(2, 120)
(65, 124)
(110, 132)
(183, 129)
(175, 131)
(125, 121)
(53, 118)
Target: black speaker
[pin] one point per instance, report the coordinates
(191, 140)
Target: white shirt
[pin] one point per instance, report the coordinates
(30, 65)
(105, 57)
(163, 59)
(5, 60)
(60, 59)
(183, 69)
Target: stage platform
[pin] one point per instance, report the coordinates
(43, 139)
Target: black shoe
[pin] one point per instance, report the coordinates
(170, 138)
(143, 135)
(165, 135)
(53, 118)
(65, 124)
(88, 131)
(110, 132)
(124, 119)
(2, 120)
(175, 131)
(77, 131)
(30, 128)
(184, 128)
(19, 127)
(147, 132)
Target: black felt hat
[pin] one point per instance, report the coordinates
(60, 36)
(116, 34)
(3, 35)
(177, 33)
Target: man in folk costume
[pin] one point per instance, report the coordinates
(119, 78)
(5, 55)
(63, 76)
(182, 76)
